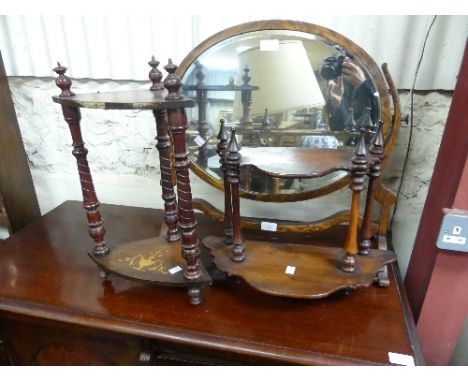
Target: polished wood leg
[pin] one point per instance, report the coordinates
(366, 228)
(194, 293)
(233, 158)
(221, 150)
(377, 149)
(165, 162)
(358, 173)
(90, 202)
(190, 246)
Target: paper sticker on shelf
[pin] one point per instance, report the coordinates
(290, 270)
(267, 226)
(400, 359)
(199, 141)
(175, 270)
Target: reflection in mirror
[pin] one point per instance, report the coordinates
(280, 89)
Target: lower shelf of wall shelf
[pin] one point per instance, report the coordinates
(296, 270)
(152, 260)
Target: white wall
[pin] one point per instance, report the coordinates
(118, 47)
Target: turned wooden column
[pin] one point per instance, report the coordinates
(221, 150)
(358, 173)
(165, 156)
(233, 158)
(72, 116)
(165, 164)
(177, 119)
(202, 125)
(246, 99)
(377, 149)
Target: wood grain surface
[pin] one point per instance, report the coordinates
(316, 270)
(124, 100)
(46, 274)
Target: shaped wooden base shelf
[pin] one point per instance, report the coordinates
(316, 271)
(152, 260)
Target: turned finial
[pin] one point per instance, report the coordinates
(367, 122)
(265, 120)
(62, 81)
(233, 145)
(199, 73)
(172, 82)
(246, 77)
(155, 75)
(222, 143)
(361, 150)
(378, 141)
(360, 163)
(222, 135)
(350, 123)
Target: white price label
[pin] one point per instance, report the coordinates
(267, 226)
(175, 270)
(290, 270)
(199, 141)
(400, 359)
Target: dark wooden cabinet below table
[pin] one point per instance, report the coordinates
(56, 310)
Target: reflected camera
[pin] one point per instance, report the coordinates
(332, 67)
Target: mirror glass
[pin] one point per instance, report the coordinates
(279, 88)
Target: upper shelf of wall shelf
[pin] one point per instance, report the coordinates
(124, 100)
(297, 162)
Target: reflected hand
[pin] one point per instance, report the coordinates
(334, 91)
(353, 74)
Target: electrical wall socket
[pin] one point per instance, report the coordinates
(454, 231)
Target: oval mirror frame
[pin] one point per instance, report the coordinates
(382, 81)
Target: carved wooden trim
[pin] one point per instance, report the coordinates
(277, 198)
(233, 159)
(221, 150)
(387, 199)
(165, 163)
(72, 116)
(177, 119)
(358, 174)
(377, 148)
(254, 224)
(392, 136)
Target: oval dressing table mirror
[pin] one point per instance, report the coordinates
(289, 85)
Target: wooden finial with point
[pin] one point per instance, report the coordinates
(172, 82)
(63, 82)
(378, 141)
(155, 75)
(367, 122)
(350, 123)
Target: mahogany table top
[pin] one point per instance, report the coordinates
(46, 273)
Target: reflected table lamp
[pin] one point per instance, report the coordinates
(285, 77)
